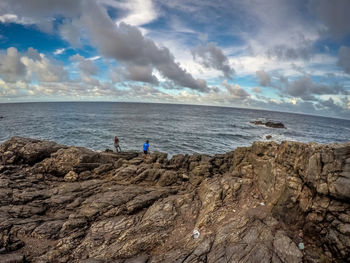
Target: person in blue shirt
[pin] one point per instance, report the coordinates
(146, 147)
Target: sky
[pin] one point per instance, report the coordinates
(281, 55)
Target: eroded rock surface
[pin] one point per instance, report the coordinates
(70, 204)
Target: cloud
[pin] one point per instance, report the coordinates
(235, 91)
(126, 43)
(140, 73)
(335, 16)
(70, 31)
(264, 78)
(212, 56)
(33, 54)
(122, 42)
(43, 69)
(257, 90)
(330, 107)
(8, 18)
(11, 66)
(86, 66)
(29, 66)
(344, 59)
(59, 51)
(306, 89)
(285, 52)
(139, 12)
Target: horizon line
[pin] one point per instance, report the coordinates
(176, 103)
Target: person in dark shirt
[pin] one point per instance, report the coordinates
(116, 144)
(146, 147)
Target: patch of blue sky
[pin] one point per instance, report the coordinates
(23, 37)
(113, 13)
(245, 81)
(326, 46)
(326, 69)
(159, 24)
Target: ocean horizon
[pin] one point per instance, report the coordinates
(171, 128)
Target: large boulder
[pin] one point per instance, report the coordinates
(26, 150)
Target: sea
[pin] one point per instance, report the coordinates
(170, 128)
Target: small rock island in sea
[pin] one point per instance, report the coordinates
(269, 202)
(270, 124)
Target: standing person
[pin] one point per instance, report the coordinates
(146, 147)
(116, 144)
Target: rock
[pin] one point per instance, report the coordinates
(12, 258)
(168, 178)
(286, 250)
(269, 124)
(268, 137)
(71, 204)
(340, 188)
(71, 176)
(26, 150)
(103, 168)
(274, 124)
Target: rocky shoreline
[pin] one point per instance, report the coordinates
(255, 204)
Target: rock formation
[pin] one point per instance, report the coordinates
(270, 124)
(71, 204)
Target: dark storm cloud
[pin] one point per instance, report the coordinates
(344, 58)
(264, 78)
(212, 56)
